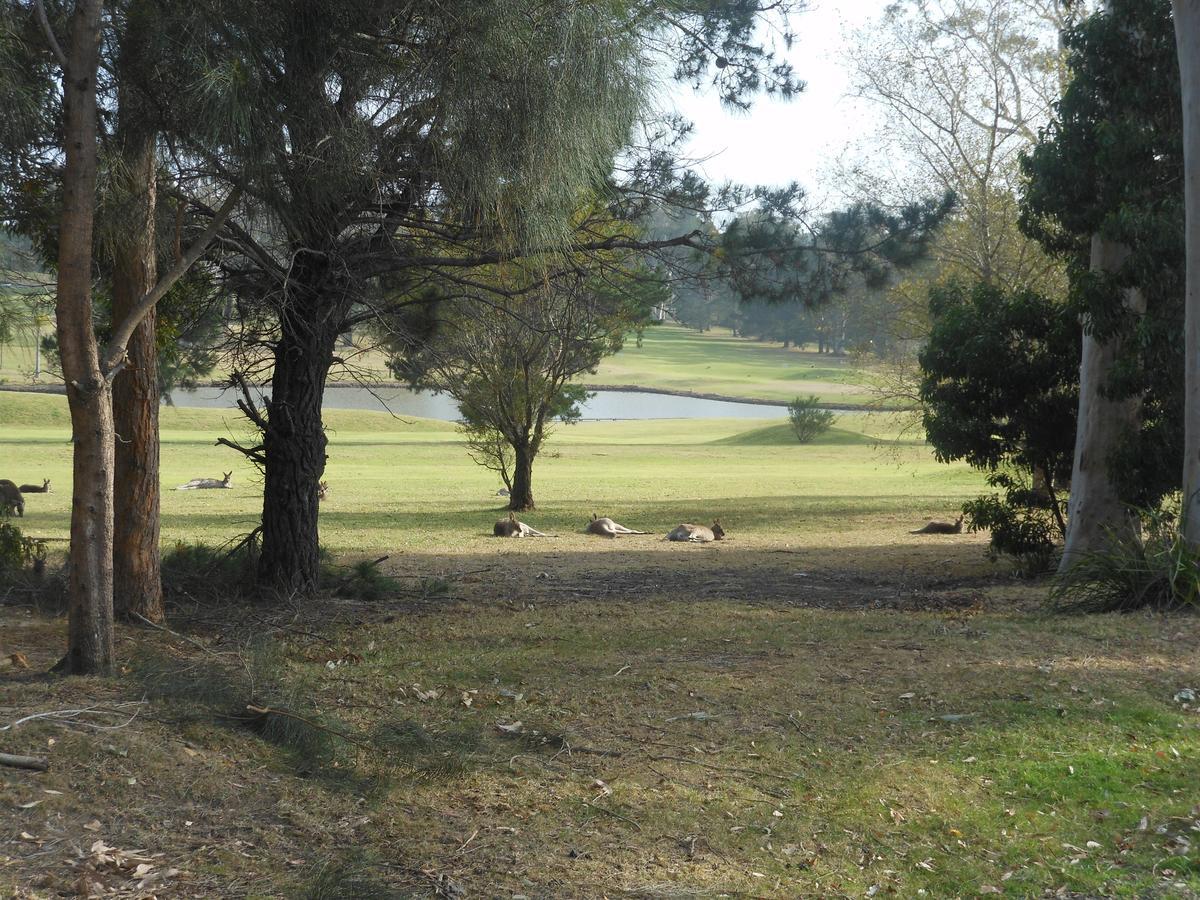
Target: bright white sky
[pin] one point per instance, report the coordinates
(778, 142)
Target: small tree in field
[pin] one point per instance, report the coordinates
(509, 360)
(808, 420)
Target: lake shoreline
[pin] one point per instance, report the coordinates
(613, 388)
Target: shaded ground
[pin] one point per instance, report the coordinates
(655, 722)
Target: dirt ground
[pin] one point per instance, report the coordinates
(607, 665)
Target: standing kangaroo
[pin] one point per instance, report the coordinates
(322, 490)
(199, 483)
(10, 498)
(606, 527)
(941, 528)
(34, 489)
(697, 534)
(510, 527)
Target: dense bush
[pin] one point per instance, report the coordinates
(808, 420)
(18, 552)
(1024, 523)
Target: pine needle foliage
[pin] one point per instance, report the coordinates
(255, 691)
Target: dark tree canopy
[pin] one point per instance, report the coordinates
(1111, 164)
(1000, 383)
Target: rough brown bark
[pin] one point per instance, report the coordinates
(137, 582)
(521, 494)
(294, 446)
(1187, 41)
(90, 648)
(1095, 513)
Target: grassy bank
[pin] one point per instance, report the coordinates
(715, 362)
(671, 358)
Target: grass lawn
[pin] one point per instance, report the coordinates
(676, 358)
(671, 358)
(822, 706)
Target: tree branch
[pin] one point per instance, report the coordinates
(55, 47)
(114, 354)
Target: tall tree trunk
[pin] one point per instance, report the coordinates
(1187, 42)
(294, 446)
(521, 496)
(137, 580)
(1095, 513)
(90, 628)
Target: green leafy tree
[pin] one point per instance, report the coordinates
(999, 390)
(1103, 195)
(510, 361)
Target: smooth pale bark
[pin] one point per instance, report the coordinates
(1187, 41)
(137, 581)
(90, 648)
(1095, 513)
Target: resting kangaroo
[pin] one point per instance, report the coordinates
(198, 483)
(322, 490)
(510, 527)
(697, 534)
(10, 498)
(34, 489)
(941, 528)
(608, 528)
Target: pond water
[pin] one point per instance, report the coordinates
(602, 404)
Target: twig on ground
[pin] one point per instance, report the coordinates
(39, 763)
(271, 710)
(67, 717)
(182, 637)
(696, 762)
(615, 815)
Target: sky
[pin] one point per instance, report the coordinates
(778, 142)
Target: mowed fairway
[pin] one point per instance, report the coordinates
(675, 358)
(410, 485)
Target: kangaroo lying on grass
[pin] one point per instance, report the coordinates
(34, 489)
(697, 534)
(199, 483)
(10, 498)
(606, 527)
(941, 528)
(510, 527)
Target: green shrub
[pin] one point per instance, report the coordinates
(1023, 523)
(18, 552)
(1157, 571)
(808, 420)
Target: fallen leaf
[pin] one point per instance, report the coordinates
(20, 660)
(510, 728)
(93, 825)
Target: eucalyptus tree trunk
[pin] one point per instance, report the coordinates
(294, 445)
(1095, 514)
(1187, 42)
(90, 645)
(137, 581)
